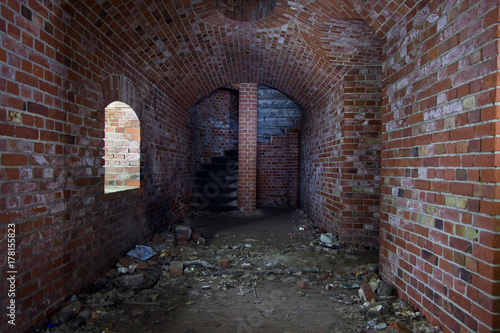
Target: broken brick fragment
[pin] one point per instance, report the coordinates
(371, 277)
(142, 265)
(176, 268)
(396, 327)
(247, 266)
(302, 285)
(126, 261)
(181, 240)
(368, 293)
(224, 263)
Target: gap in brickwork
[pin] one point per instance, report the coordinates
(122, 148)
(215, 149)
(278, 149)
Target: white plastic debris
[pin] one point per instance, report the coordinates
(141, 252)
(122, 270)
(328, 239)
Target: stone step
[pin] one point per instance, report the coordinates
(276, 122)
(277, 104)
(229, 167)
(217, 175)
(224, 159)
(200, 198)
(226, 183)
(268, 93)
(214, 207)
(217, 184)
(271, 131)
(216, 190)
(279, 113)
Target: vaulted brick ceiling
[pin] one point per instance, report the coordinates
(193, 47)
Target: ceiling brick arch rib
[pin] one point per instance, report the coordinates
(192, 49)
(383, 15)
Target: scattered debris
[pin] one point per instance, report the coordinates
(68, 312)
(366, 293)
(188, 266)
(141, 252)
(183, 231)
(132, 280)
(176, 268)
(302, 285)
(329, 240)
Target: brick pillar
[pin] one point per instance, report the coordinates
(247, 148)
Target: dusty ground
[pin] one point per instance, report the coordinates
(205, 300)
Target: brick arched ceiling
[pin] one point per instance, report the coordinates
(382, 15)
(193, 47)
(246, 10)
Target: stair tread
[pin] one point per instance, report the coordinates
(215, 208)
(215, 200)
(209, 174)
(227, 183)
(220, 167)
(216, 184)
(224, 159)
(216, 189)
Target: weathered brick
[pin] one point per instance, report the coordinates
(247, 146)
(176, 268)
(224, 263)
(368, 294)
(433, 62)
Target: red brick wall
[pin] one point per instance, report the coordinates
(61, 65)
(278, 170)
(216, 117)
(360, 149)
(440, 198)
(59, 72)
(340, 151)
(122, 146)
(247, 148)
(321, 138)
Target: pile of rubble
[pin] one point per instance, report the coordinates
(182, 256)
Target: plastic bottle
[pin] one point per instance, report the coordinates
(64, 315)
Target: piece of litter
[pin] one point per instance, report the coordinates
(141, 252)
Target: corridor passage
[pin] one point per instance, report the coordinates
(270, 272)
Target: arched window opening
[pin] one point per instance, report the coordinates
(122, 148)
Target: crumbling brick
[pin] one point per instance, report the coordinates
(176, 268)
(182, 240)
(224, 263)
(368, 294)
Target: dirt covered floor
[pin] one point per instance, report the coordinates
(265, 273)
